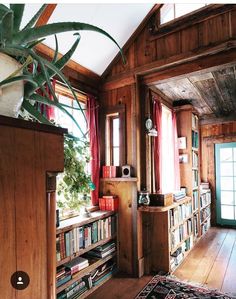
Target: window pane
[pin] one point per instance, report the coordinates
(116, 156)
(226, 183)
(183, 9)
(116, 135)
(227, 212)
(226, 169)
(226, 154)
(227, 197)
(235, 154)
(167, 13)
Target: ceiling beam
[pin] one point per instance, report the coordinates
(45, 16)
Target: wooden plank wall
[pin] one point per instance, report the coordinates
(148, 51)
(210, 135)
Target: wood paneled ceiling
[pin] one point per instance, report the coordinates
(212, 93)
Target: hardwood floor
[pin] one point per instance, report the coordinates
(212, 262)
(120, 288)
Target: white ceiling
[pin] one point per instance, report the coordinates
(95, 51)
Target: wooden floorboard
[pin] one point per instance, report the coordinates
(212, 262)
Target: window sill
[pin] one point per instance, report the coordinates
(118, 179)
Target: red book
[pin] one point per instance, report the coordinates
(62, 246)
(112, 202)
(102, 204)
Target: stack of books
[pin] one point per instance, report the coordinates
(108, 171)
(76, 289)
(109, 203)
(103, 250)
(63, 275)
(77, 264)
(104, 271)
(179, 194)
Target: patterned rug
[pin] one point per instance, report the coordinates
(161, 287)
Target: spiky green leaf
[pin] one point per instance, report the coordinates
(35, 18)
(18, 78)
(18, 10)
(6, 24)
(35, 113)
(29, 35)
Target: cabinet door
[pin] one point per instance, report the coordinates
(7, 213)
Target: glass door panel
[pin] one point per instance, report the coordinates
(225, 161)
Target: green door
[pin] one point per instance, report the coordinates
(225, 161)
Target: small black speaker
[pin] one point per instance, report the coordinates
(126, 171)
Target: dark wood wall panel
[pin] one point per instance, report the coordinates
(189, 44)
(214, 30)
(210, 135)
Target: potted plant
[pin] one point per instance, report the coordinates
(29, 72)
(75, 183)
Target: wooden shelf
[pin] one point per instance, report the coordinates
(118, 179)
(205, 220)
(78, 221)
(150, 209)
(90, 291)
(85, 271)
(180, 243)
(202, 208)
(84, 250)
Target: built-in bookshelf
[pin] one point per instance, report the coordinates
(188, 127)
(205, 210)
(86, 252)
(174, 227)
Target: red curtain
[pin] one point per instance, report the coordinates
(157, 112)
(92, 116)
(176, 152)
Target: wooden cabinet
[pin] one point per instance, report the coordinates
(126, 190)
(28, 152)
(167, 235)
(93, 240)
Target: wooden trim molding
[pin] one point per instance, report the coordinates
(45, 16)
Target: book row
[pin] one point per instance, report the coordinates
(70, 242)
(195, 178)
(194, 159)
(205, 213)
(194, 139)
(180, 213)
(205, 226)
(178, 255)
(205, 199)
(195, 200)
(195, 225)
(194, 121)
(180, 233)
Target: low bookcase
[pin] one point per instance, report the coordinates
(173, 225)
(86, 251)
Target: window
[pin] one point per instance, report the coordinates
(64, 120)
(115, 136)
(167, 171)
(113, 142)
(169, 12)
(73, 184)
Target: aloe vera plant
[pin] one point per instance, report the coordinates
(37, 71)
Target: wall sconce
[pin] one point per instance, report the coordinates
(151, 131)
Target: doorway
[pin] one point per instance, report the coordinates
(225, 162)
